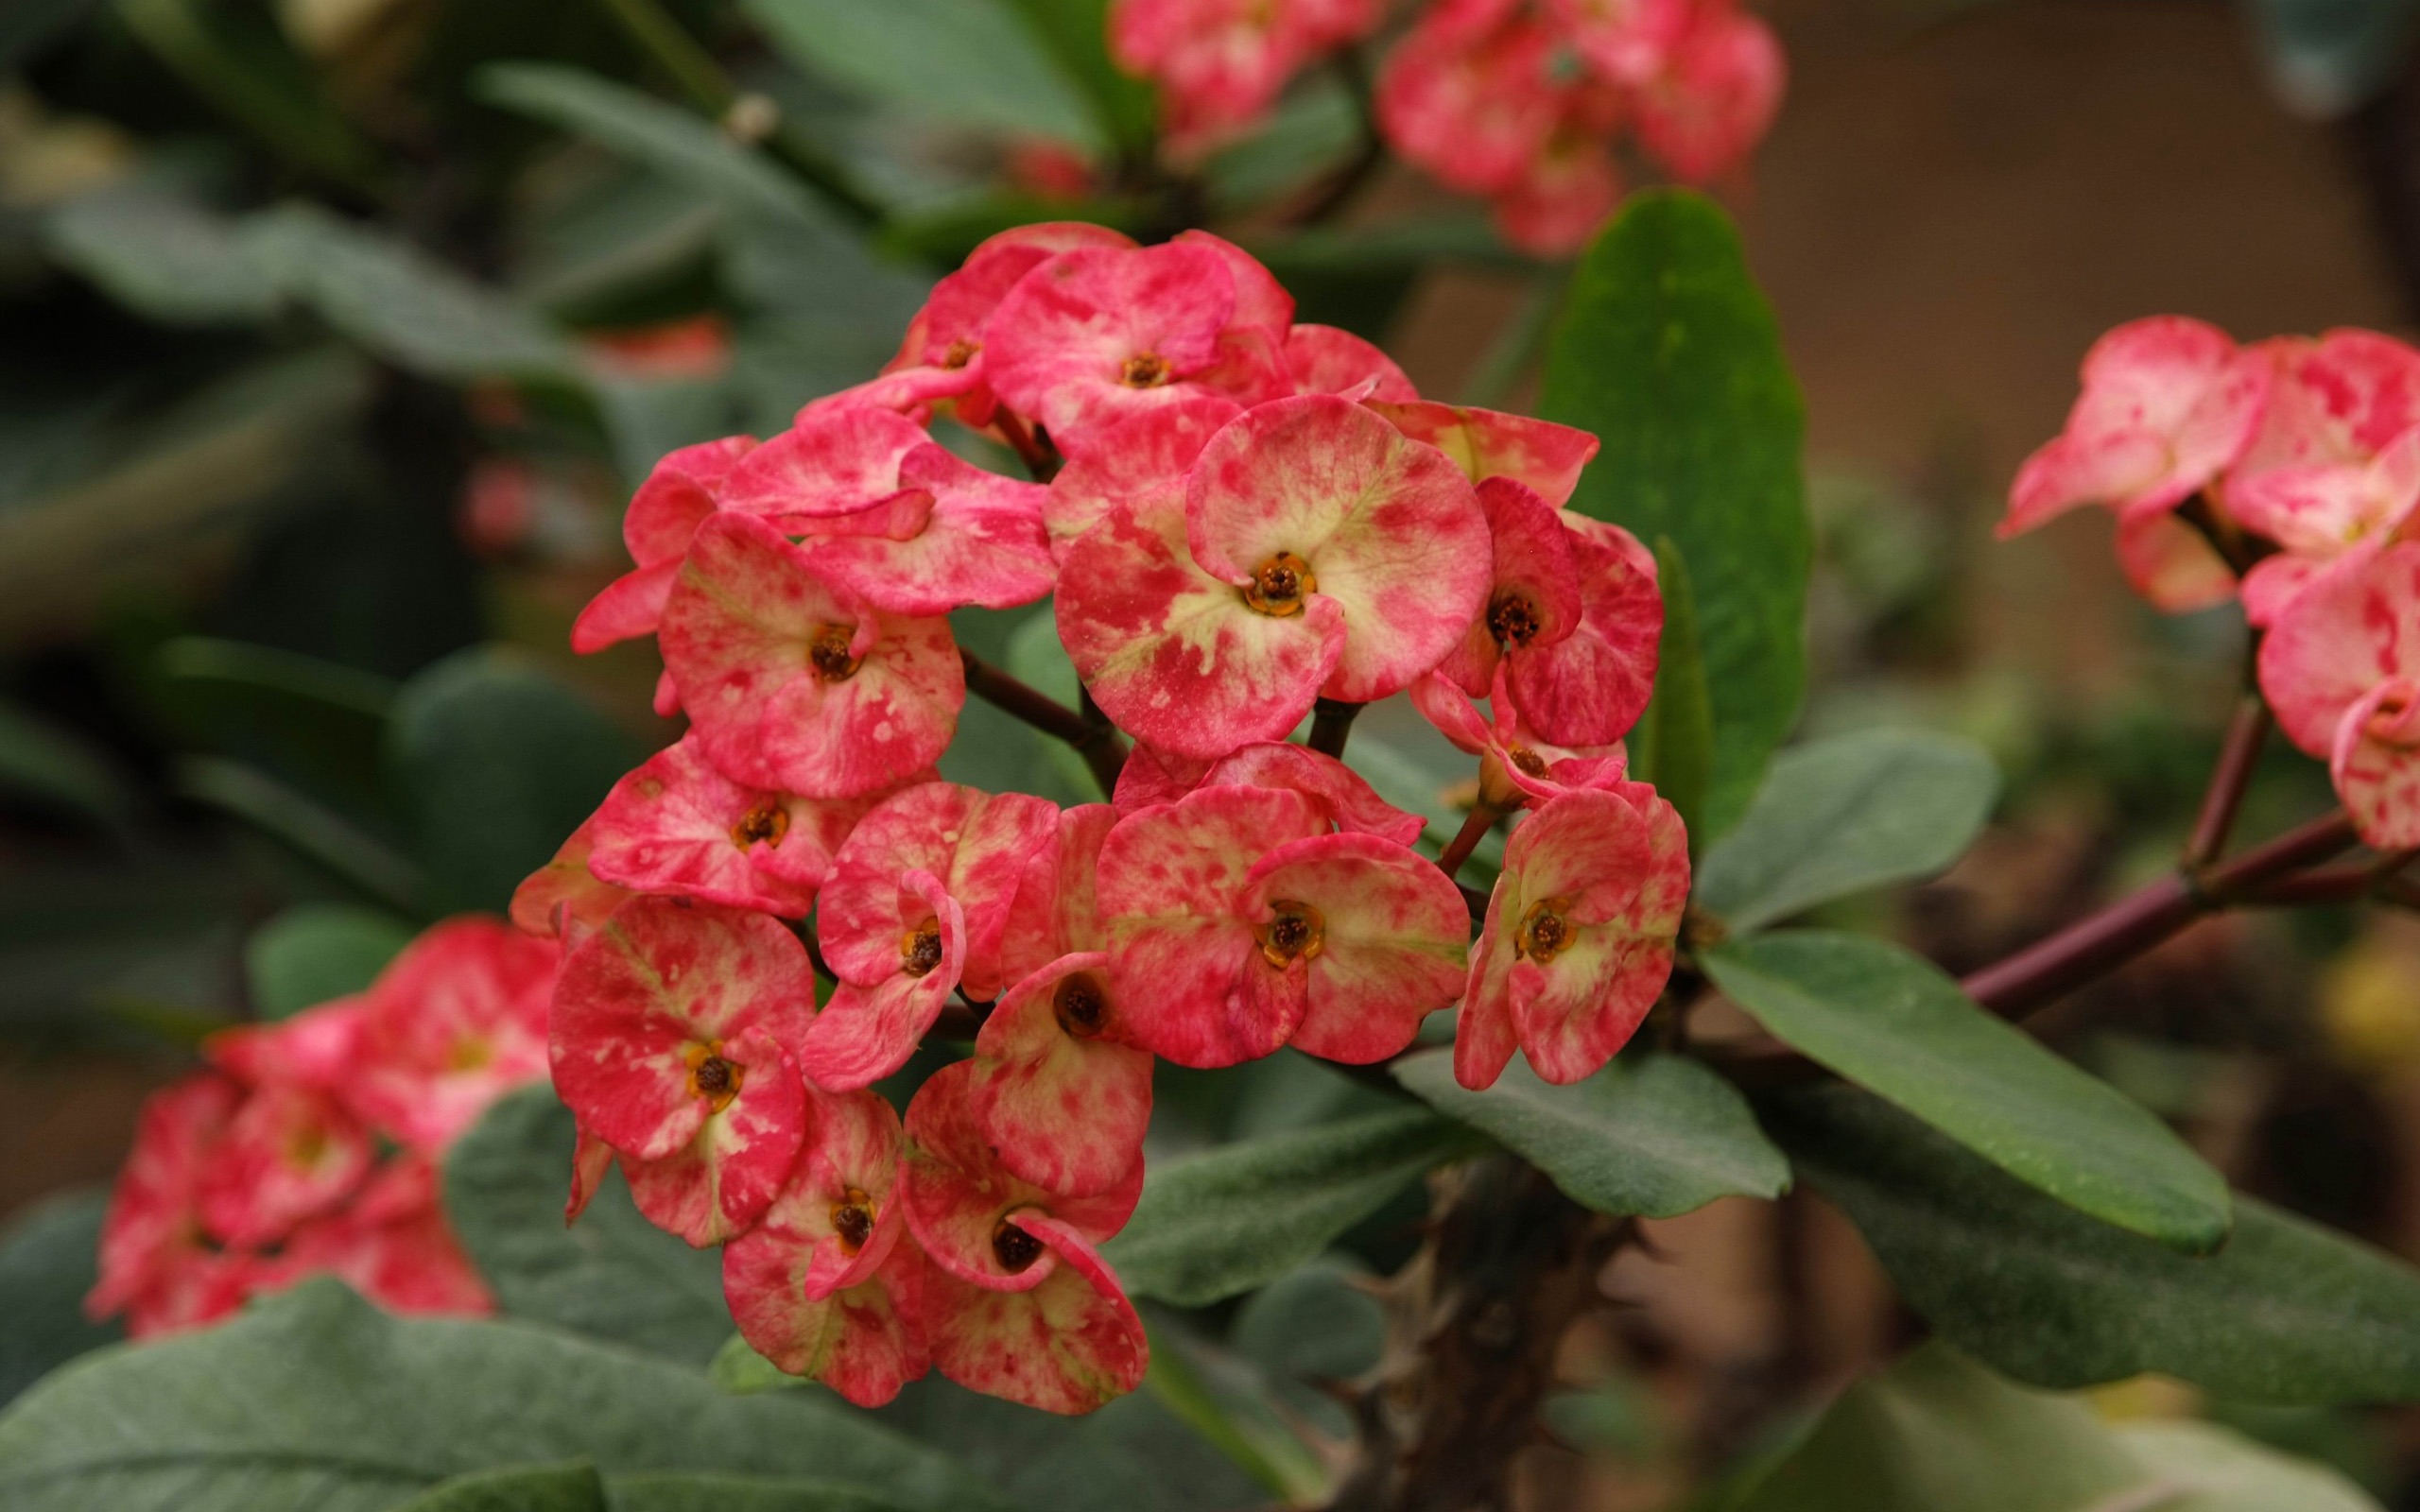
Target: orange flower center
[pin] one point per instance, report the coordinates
(712, 1077)
(920, 949)
(959, 354)
(1527, 760)
(830, 655)
(1082, 1008)
(1295, 933)
(1513, 620)
(1279, 584)
(852, 1219)
(1145, 369)
(1544, 933)
(767, 821)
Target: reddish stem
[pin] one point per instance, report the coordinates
(1095, 740)
(2224, 799)
(1331, 726)
(1474, 827)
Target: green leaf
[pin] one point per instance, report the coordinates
(2287, 1313)
(1239, 1216)
(1132, 1456)
(613, 1275)
(50, 767)
(1896, 1026)
(312, 722)
(48, 1260)
(967, 62)
(573, 1487)
(495, 762)
(303, 825)
(1076, 32)
(316, 1399)
(238, 58)
(27, 25)
(163, 254)
(1668, 353)
(1845, 816)
(1652, 1135)
(740, 1493)
(1675, 737)
(1937, 1432)
(316, 952)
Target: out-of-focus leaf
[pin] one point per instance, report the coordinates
(1311, 132)
(27, 25)
(317, 952)
(1668, 353)
(302, 823)
(236, 58)
(741, 1493)
(2287, 1313)
(1651, 1135)
(1312, 1323)
(315, 1399)
(1225, 1399)
(48, 1260)
(80, 936)
(45, 765)
(967, 62)
(1132, 1456)
(572, 1488)
(1242, 1215)
(1847, 815)
(1937, 1432)
(942, 235)
(315, 723)
(1895, 1025)
(495, 762)
(163, 254)
(1075, 34)
(613, 1275)
(1674, 744)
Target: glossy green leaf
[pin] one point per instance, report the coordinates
(496, 762)
(316, 952)
(573, 1487)
(612, 1275)
(2287, 1313)
(1668, 353)
(1240, 1216)
(1895, 1025)
(1938, 1433)
(48, 1260)
(1673, 746)
(1652, 1135)
(315, 1400)
(1846, 816)
(967, 62)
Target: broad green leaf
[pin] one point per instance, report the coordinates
(305, 826)
(316, 952)
(573, 1487)
(1132, 1456)
(1240, 1216)
(42, 763)
(401, 304)
(1651, 1135)
(313, 722)
(967, 62)
(48, 1260)
(1234, 1408)
(1937, 1432)
(1668, 353)
(740, 1493)
(2287, 1313)
(1312, 1326)
(1674, 741)
(1310, 132)
(495, 762)
(613, 1274)
(1897, 1027)
(1845, 816)
(315, 1400)
(1075, 34)
(163, 254)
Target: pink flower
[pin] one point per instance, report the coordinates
(1341, 796)
(1628, 42)
(668, 1042)
(831, 461)
(453, 1022)
(156, 1266)
(2316, 512)
(1485, 443)
(1563, 194)
(954, 536)
(1324, 555)
(1221, 65)
(1139, 464)
(1705, 111)
(1589, 687)
(1325, 360)
(685, 489)
(1535, 601)
(1017, 1302)
(1097, 335)
(563, 899)
(677, 826)
(392, 1244)
(824, 1286)
(1469, 94)
(915, 906)
(2342, 668)
(1057, 1090)
(1517, 769)
(793, 686)
(291, 1152)
(1236, 923)
(1579, 935)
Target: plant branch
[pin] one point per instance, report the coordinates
(1331, 197)
(1466, 839)
(2232, 777)
(1331, 726)
(1039, 459)
(1095, 740)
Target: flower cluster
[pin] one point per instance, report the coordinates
(1522, 101)
(310, 1145)
(1253, 518)
(2286, 474)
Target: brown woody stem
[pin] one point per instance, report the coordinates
(1474, 827)
(1095, 739)
(1331, 726)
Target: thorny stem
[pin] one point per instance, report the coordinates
(1466, 839)
(2229, 781)
(1331, 726)
(1095, 739)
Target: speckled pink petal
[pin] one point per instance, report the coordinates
(1326, 360)
(1394, 930)
(1534, 600)
(591, 1157)
(2375, 765)
(1067, 1346)
(1589, 687)
(681, 491)
(1260, 300)
(739, 635)
(1468, 94)
(149, 1232)
(976, 843)
(1391, 530)
(677, 826)
(1188, 975)
(1153, 776)
(1705, 110)
(563, 899)
(867, 1031)
(865, 1341)
(980, 542)
(2171, 564)
(721, 1182)
(1173, 654)
(290, 1153)
(1138, 463)
(1483, 1034)
(1057, 908)
(2342, 398)
(829, 462)
(1344, 798)
(2354, 627)
(2271, 583)
(320, 1047)
(1562, 196)
(453, 1022)
(628, 607)
(800, 1249)
(959, 1194)
(1055, 1092)
(1485, 444)
(658, 984)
